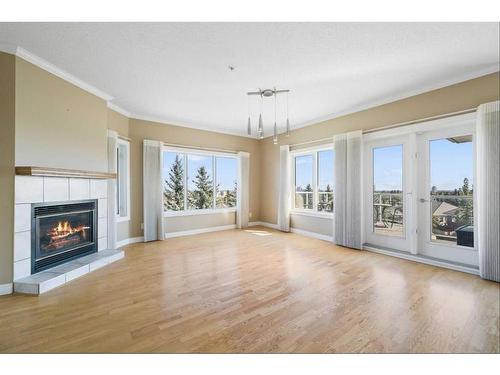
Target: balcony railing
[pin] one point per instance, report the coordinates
(388, 213)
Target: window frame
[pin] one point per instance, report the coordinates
(213, 155)
(314, 152)
(125, 143)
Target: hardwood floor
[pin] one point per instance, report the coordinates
(257, 291)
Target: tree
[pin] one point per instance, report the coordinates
(173, 194)
(308, 188)
(465, 187)
(202, 196)
(231, 195)
(466, 214)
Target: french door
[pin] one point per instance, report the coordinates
(446, 200)
(419, 190)
(388, 193)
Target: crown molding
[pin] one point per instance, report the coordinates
(408, 94)
(55, 70)
(8, 48)
(167, 121)
(118, 109)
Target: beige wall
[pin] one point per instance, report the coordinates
(58, 124)
(320, 225)
(119, 123)
(465, 95)
(185, 223)
(7, 164)
(140, 130)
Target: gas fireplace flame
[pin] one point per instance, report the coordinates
(64, 229)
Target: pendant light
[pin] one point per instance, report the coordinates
(249, 126)
(267, 93)
(287, 119)
(261, 124)
(275, 134)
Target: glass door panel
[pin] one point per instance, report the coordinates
(451, 191)
(388, 191)
(446, 196)
(385, 193)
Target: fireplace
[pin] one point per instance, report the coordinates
(61, 232)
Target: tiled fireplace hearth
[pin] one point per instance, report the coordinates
(61, 230)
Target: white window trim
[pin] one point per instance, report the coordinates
(126, 143)
(314, 211)
(213, 154)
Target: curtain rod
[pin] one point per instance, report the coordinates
(200, 148)
(397, 125)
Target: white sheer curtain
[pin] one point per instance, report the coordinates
(284, 189)
(347, 191)
(153, 191)
(112, 183)
(243, 189)
(488, 189)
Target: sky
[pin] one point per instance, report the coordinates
(450, 163)
(304, 167)
(387, 168)
(226, 168)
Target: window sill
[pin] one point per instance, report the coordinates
(312, 214)
(199, 212)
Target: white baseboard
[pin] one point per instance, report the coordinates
(312, 234)
(128, 241)
(6, 289)
(263, 224)
(419, 259)
(199, 231)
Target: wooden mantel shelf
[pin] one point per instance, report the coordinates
(60, 172)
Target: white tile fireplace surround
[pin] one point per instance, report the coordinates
(35, 189)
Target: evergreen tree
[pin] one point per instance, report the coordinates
(231, 195)
(308, 187)
(173, 194)
(465, 187)
(202, 196)
(465, 216)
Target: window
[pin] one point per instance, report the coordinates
(304, 182)
(123, 180)
(226, 185)
(198, 182)
(325, 181)
(388, 191)
(173, 176)
(314, 179)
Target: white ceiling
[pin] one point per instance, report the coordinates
(178, 72)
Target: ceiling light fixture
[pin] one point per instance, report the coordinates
(267, 93)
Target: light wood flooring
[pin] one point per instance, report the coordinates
(257, 291)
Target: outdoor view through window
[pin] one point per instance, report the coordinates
(196, 182)
(451, 190)
(388, 190)
(311, 187)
